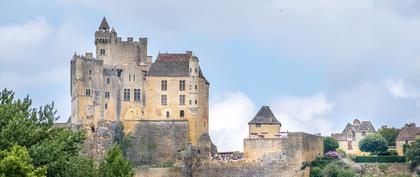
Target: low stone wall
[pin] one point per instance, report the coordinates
(157, 142)
(386, 169)
(244, 169)
(297, 145)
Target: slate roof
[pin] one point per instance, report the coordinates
(172, 65)
(356, 127)
(264, 116)
(408, 133)
(104, 24)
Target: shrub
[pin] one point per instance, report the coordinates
(316, 172)
(330, 144)
(380, 159)
(346, 173)
(413, 154)
(331, 170)
(383, 167)
(373, 143)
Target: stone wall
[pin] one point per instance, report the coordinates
(300, 146)
(158, 172)
(157, 142)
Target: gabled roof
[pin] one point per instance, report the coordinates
(356, 127)
(264, 116)
(408, 133)
(104, 24)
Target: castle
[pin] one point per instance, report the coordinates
(163, 106)
(123, 84)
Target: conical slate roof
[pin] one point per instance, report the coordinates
(264, 116)
(104, 24)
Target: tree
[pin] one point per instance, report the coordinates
(390, 134)
(55, 150)
(413, 154)
(330, 144)
(115, 164)
(373, 143)
(15, 162)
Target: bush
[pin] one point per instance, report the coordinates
(413, 154)
(373, 143)
(383, 167)
(380, 159)
(330, 144)
(316, 172)
(346, 173)
(337, 169)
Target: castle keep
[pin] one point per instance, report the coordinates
(121, 83)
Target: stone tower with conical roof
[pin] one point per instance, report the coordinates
(264, 124)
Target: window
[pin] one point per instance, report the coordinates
(196, 101)
(181, 113)
(164, 85)
(107, 80)
(106, 106)
(349, 145)
(181, 99)
(196, 70)
(260, 136)
(126, 94)
(190, 102)
(167, 114)
(182, 85)
(102, 51)
(163, 99)
(87, 92)
(137, 95)
(129, 77)
(90, 72)
(97, 94)
(106, 94)
(134, 77)
(196, 87)
(190, 70)
(257, 125)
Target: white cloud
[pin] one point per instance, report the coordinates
(307, 114)
(229, 117)
(399, 88)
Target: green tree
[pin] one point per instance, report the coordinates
(390, 135)
(330, 144)
(15, 162)
(115, 164)
(413, 154)
(373, 143)
(56, 149)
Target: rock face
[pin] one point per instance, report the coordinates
(157, 143)
(100, 140)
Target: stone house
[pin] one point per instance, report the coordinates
(408, 134)
(349, 138)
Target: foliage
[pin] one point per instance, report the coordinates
(115, 164)
(15, 162)
(413, 154)
(336, 169)
(383, 167)
(54, 150)
(330, 144)
(316, 172)
(121, 138)
(373, 143)
(78, 166)
(341, 152)
(380, 159)
(390, 135)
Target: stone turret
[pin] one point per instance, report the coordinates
(264, 124)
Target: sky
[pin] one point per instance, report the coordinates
(318, 64)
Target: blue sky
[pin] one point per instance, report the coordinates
(318, 63)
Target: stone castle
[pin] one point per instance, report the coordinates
(123, 84)
(163, 107)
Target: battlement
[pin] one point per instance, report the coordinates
(87, 56)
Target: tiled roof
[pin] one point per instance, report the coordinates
(172, 65)
(408, 133)
(264, 116)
